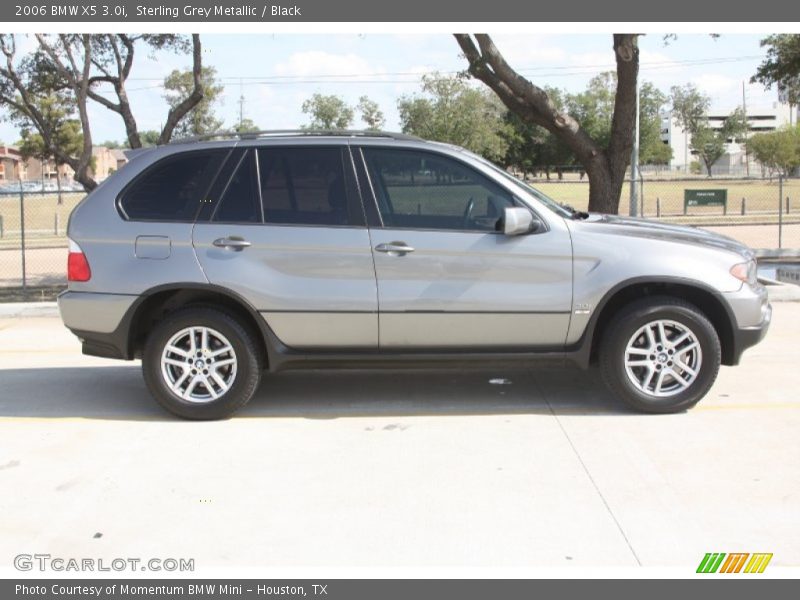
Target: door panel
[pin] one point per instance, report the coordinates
(315, 286)
(299, 252)
(446, 277)
(474, 289)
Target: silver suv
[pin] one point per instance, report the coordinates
(214, 260)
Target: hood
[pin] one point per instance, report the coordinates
(658, 230)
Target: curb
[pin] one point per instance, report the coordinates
(28, 309)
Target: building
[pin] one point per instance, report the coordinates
(760, 119)
(106, 161)
(12, 167)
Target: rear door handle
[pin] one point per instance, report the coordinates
(235, 243)
(394, 248)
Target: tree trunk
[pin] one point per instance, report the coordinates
(58, 185)
(604, 166)
(605, 186)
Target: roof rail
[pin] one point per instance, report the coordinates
(252, 135)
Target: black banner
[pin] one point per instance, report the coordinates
(398, 589)
(257, 11)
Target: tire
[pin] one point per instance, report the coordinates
(632, 361)
(231, 358)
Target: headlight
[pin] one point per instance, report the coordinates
(745, 272)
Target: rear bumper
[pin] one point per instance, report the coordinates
(100, 321)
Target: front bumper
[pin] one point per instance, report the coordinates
(753, 315)
(100, 321)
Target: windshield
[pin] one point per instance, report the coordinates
(557, 208)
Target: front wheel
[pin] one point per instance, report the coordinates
(201, 363)
(660, 355)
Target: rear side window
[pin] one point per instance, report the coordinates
(239, 202)
(173, 188)
(304, 186)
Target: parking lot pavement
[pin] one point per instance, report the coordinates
(415, 468)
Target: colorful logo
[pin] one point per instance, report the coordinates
(735, 562)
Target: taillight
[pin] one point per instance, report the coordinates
(77, 266)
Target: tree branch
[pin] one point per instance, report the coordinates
(180, 110)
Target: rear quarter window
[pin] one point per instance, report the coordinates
(173, 188)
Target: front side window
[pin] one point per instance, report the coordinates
(173, 188)
(304, 186)
(424, 190)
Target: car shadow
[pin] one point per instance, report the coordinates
(119, 393)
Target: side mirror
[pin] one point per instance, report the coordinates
(517, 221)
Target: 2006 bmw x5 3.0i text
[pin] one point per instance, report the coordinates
(215, 260)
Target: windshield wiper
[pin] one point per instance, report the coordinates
(574, 212)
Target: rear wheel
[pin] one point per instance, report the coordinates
(660, 355)
(201, 363)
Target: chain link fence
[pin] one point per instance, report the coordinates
(33, 240)
(762, 213)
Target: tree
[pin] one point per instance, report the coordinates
(652, 149)
(777, 150)
(80, 65)
(449, 110)
(605, 163)
(689, 106)
(200, 120)
(328, 112)
(60, 65)
(371, 114)
(67, 137)
(246, 126)
(709, 144)
(113, 57)
(781, 67)
(690, 111)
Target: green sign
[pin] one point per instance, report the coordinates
(705, 198)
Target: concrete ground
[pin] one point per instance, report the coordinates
(396, 468)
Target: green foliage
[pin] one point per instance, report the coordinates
(689, 106)
(777, 150)
(201, 119)
(781, 67)
(652, 150)
(66, 135)
(532, 148)
(371, 114)
(449, 110)
(328, 112)
(709, 144)
(246, 126)
(149, 138)
(690, 111)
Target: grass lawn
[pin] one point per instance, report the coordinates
(40, 217)
(762, 196)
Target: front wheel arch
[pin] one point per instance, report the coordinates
(708, 301)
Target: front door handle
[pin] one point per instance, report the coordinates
(234, 242)
(394, 248)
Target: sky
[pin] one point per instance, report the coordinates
(275, 73)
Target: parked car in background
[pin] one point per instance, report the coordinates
(217, 260)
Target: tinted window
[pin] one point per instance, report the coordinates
(239, 202)
(422, 190)
(303, 186)
(173, 188)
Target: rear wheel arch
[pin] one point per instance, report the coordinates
(158, 302)
(707, 300)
